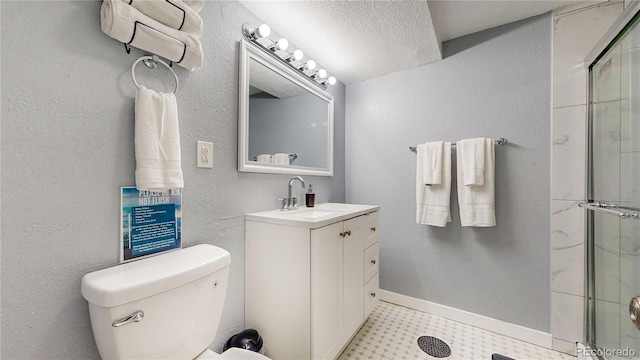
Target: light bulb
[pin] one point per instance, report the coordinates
(310, 65)
(262, 31)
(256, 33)
(281, 44)
(331, 80)
(296, 56)
(321, 74)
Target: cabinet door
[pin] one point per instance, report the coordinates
(353, 306)
(326, 291)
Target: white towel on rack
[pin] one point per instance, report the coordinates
(477, 203)
(433, 203)
(173, 13)
(264, 158)
(195, 4)
(126, 24)
(157, 141)
(280, 159)
(431, 154)
(471, 152)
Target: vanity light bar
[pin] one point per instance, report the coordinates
(278, 49)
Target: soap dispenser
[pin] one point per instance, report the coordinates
(310, 197)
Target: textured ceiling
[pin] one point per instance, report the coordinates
(452, 19)
(360, 40)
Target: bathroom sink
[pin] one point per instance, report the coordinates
(309, 213)
(341, 207)
(315, 217)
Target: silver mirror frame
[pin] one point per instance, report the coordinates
(249, 51)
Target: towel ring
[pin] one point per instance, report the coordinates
(151, 62)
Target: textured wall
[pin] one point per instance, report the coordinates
(67, 148)
(495, 83)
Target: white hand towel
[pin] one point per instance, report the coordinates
(433, 203)
(157, 141)
(173, 13)
(431, 154)
(195, 4)
(128, 25)
(472, 154)
(281, 159)
(264, 158)
(477, 203)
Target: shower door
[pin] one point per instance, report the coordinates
(614, 194)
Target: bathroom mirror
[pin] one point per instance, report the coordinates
(285, 123)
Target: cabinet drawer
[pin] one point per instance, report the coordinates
(371, 261)
(371, 229)
(371, 295)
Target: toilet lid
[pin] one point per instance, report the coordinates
(232, 354)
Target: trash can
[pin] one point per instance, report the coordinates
(247, 339)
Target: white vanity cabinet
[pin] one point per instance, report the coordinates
(308, 289)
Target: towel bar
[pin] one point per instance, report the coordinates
(612, 209)
(499, 141)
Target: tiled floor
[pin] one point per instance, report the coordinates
(392, 332)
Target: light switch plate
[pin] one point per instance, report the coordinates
(204, 155)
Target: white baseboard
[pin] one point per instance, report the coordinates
(518, 332)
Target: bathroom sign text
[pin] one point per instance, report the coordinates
(151, 222)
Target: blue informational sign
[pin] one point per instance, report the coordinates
(151, 222)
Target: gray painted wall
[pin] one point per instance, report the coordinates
(67, 148)
(495, 83)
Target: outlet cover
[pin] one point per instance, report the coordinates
(204, 155)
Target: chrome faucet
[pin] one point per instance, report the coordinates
(291, 202)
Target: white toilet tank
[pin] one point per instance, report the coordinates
(181, 294)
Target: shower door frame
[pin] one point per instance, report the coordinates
(608, 41)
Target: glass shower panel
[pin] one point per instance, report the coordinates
(614, 155)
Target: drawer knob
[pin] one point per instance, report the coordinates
(373, 261)
(343, 234)
(373, 294)
(347, 233)
(373, 228)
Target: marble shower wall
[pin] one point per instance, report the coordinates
(577, 29)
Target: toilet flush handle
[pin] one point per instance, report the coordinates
(135, 317)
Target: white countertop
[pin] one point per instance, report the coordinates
(312, 217)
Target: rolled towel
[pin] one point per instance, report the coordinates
(173, 13)
(281, 159)
(195, 4)
(264, 158)
(157, 141)
(128, 25)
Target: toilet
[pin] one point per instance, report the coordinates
(162, 307)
